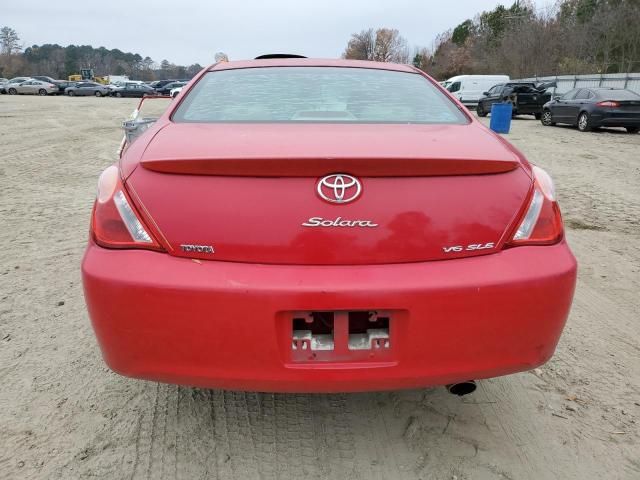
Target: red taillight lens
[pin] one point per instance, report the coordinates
(542, 222)
(608, 103)
(115, 222)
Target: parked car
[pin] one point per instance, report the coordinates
(120, 83)
(32, 87)
(527, 98)
(470, 88)
(46, 79)
(433, 261)
(161, 83)
(63, 85)
(589, 108)
(166, 89)
(115, 85)
(175, 91)
(14, 81)
(131, 89)
(81, 89)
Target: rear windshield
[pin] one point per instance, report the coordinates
(618, 94)
(316, 94)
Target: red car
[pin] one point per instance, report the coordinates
(300, 225)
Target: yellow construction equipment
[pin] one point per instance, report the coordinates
(79, 78)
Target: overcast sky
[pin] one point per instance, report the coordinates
(186, 32)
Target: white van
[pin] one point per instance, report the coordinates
(470, 88)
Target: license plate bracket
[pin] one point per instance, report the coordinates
(341, 336)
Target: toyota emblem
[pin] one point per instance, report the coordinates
(339, 188)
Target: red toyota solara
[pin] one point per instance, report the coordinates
(300, 225)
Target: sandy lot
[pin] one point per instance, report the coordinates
(63, 414)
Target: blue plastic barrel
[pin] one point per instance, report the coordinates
(501, 117)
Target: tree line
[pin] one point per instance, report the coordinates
(59, 62)
(572, 37)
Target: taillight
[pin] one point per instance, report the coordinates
(608, 103)
(115, 222)
(542, 222)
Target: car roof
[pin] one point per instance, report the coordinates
(310, 62)
(600, 89)
(456, 78)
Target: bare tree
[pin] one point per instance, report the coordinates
(422, 59)
(361, 45)
(381, 45)
(9, 41)
(390, 46)
(221, 57)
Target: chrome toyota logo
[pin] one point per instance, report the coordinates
(339, 188)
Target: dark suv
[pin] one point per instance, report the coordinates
(527, 98)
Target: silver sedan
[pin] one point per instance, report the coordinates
(87, 88)
(32, 87)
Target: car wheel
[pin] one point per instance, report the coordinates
(98, 93)
(480, 111)
(42, 92)
(118, 94)
(70, 93)
(583, 122)
(632, 129)
(547, 119)
(13, 91)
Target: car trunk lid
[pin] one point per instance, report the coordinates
(428, 192)
(629, 106)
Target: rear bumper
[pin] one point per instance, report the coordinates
(607, 119)
(529, 109)
(225, 325)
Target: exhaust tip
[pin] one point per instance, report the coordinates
(463, 388)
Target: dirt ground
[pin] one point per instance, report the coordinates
(63, 414)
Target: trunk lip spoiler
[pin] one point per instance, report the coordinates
(317, 166)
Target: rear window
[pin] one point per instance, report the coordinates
(583, 95)
(618, 94)
(316, 94)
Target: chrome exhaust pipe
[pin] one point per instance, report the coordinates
(462, 388)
